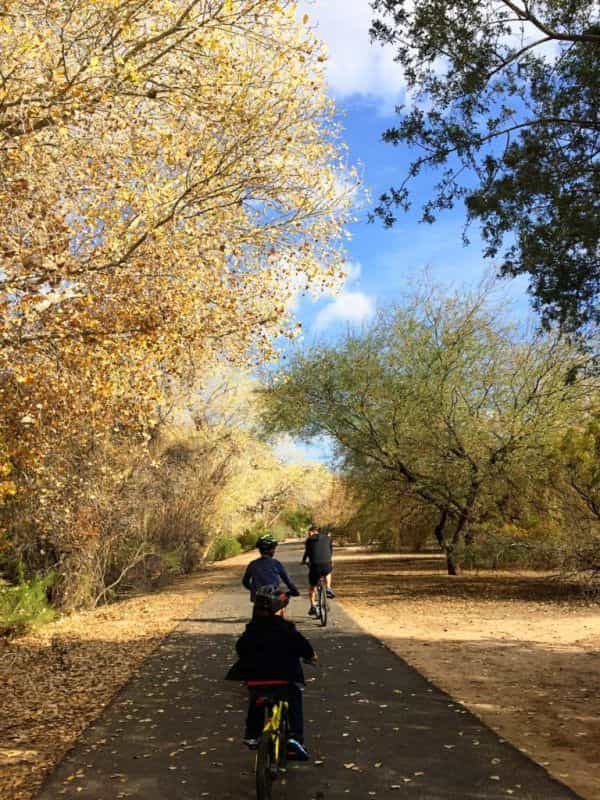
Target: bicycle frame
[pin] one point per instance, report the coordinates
(273, 724)
(271, 751)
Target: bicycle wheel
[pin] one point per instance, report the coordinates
(322, 604)
(264, 767)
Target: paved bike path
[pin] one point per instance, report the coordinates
(375, 727)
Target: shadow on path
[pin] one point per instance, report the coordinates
(375, 728)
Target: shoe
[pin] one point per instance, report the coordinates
(251, 743)
(312, 612)
(330, 594)
(296, 751)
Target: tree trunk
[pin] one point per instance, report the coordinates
(452, 566)
(439, 528)
(446, 547)
(463, 519)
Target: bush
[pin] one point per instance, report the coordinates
(25, 605)
(225, 547)
(575, 556)
(280, 532)
(298, 520)
(173, 561)
(249, 538)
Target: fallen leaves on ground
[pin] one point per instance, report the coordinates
(55, 681)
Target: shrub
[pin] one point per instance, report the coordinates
(280, 532)
(576, 556)
(173, 561)
(225, 547)
(251, 535)
(25, 605)
(298, 520)
(249, 538)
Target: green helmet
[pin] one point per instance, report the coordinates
(266, 543)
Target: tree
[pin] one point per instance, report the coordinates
(442, 403)
(505, 102)
(169, 174)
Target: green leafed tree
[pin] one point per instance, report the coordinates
(440, 404)
(504, 103)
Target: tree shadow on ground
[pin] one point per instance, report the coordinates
(412, 578)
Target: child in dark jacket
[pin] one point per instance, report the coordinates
(266, 570)
(270, 649)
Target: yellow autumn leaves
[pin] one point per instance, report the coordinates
(170, 173)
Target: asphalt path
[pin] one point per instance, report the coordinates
(375, 727)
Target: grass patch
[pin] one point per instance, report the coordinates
(225, 547)
(25, 605)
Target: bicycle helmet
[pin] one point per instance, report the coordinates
(271, 599)
(266, 544)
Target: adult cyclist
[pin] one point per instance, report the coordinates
(318, 553)
(267, 570)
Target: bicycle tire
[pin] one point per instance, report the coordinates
(322, 604)
(264, 776)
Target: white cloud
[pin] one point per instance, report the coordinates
(355, 66)
(352, 270)
(294, 451)
(350, 306)
(290, 450)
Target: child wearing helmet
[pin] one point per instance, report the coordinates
(266, 570)
(269, 651)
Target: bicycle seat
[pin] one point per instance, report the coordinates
(269, 692)
(268, 683)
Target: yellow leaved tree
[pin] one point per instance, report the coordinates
(170, 173)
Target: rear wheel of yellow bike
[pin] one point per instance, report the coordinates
(264, 767)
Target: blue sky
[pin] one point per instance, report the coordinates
(367, 85)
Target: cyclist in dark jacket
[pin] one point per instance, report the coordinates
(266, 570)
(269, 650)
(318, 551)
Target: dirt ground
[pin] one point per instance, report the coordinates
(520, 650)
(55, 681)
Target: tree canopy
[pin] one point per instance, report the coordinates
(442, 403)
(504, 101)
(170, 173)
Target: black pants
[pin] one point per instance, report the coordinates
(256, 714)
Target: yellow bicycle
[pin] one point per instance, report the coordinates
(271, 755)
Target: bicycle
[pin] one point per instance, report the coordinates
(271, 754)
(321, 598)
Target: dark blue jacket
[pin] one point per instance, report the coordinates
(267, 571)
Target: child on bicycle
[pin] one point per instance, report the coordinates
(267, 570)
(269, 650)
